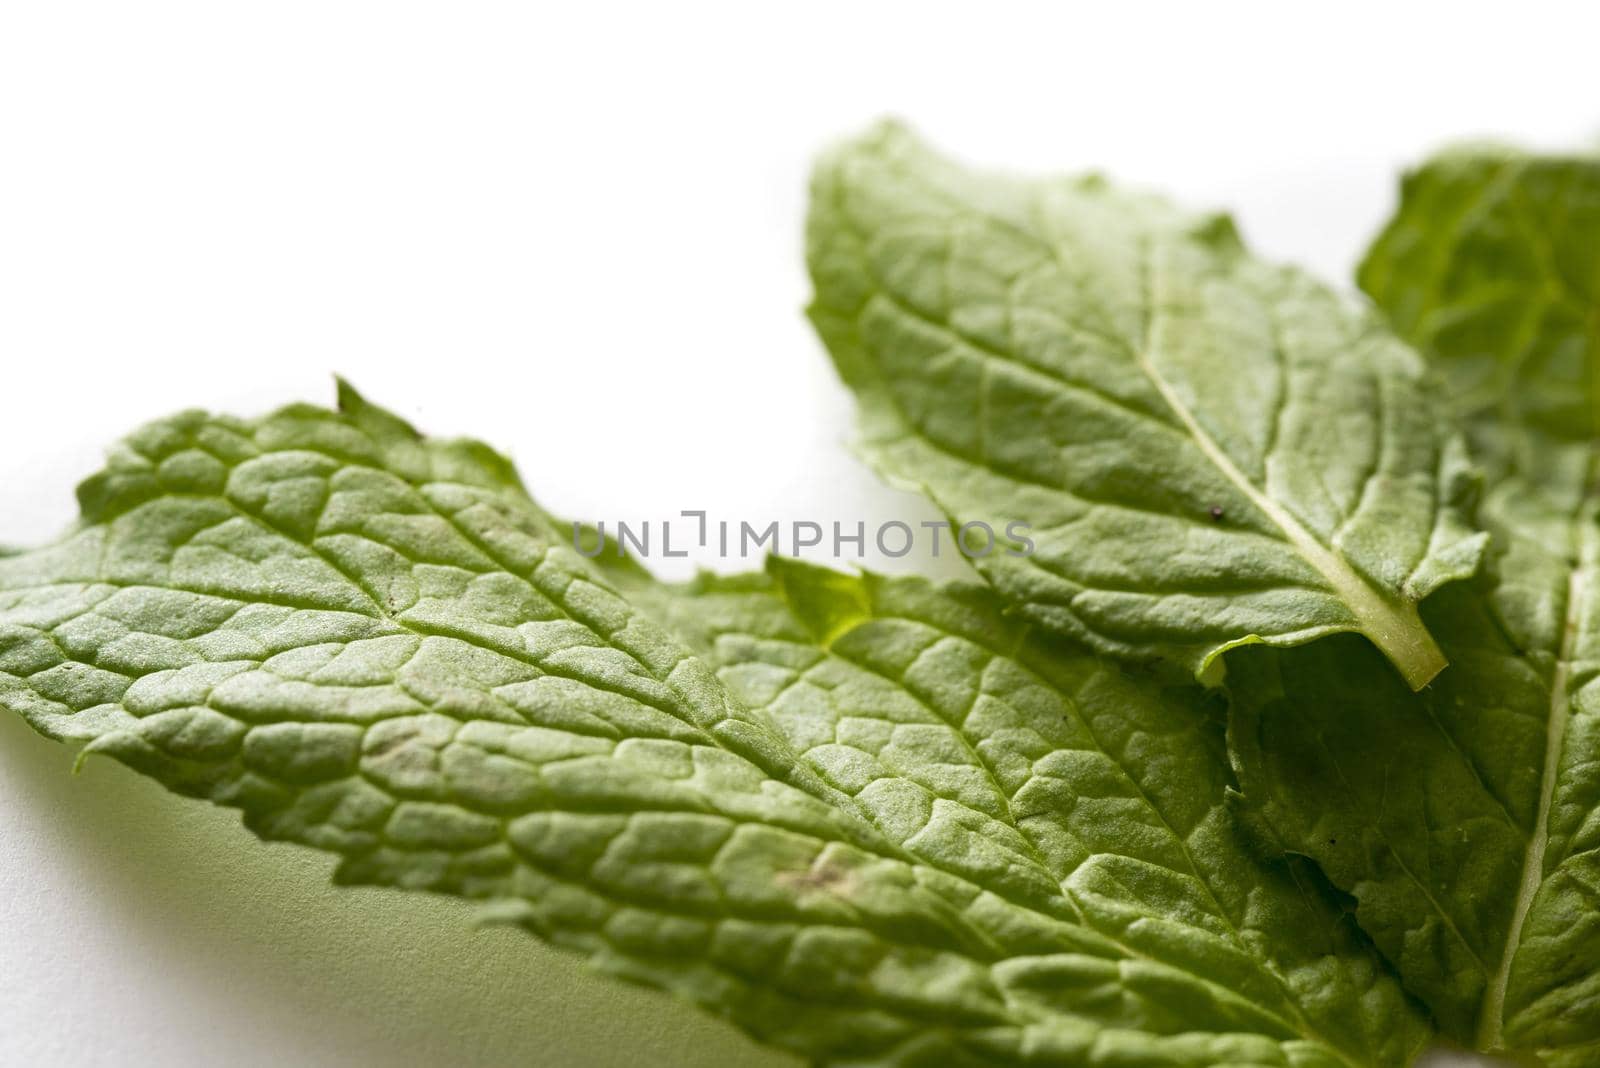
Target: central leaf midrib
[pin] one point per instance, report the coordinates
(1492, 1023)
(1584, 559)
(1395, 628)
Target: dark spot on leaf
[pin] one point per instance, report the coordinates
(1216, 513)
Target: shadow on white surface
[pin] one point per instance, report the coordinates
(191, 942)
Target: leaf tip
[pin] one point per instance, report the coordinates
(350, 400)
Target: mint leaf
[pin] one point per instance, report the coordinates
(868, 821)
(1210, 451)
(1030, 758)
(1466, 820)
(1490, 267)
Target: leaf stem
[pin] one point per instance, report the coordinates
(1398, 631)
(1394, 626)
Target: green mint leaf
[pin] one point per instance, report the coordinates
(1490, 267)
(1466, 820)
(1210, 451)
(870, 822)
(967, 734)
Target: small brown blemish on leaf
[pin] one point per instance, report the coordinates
(825, 876)
(388, 745)
(1216, 513)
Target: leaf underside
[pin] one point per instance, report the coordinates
(1210, 451)
(1466, 820)
(867, 820)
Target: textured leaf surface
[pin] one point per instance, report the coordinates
(1467, 820)
(1210, 450)
(1031, 757)
(894, 829)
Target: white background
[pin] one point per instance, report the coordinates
(575, 236)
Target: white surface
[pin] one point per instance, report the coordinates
(575, 235)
